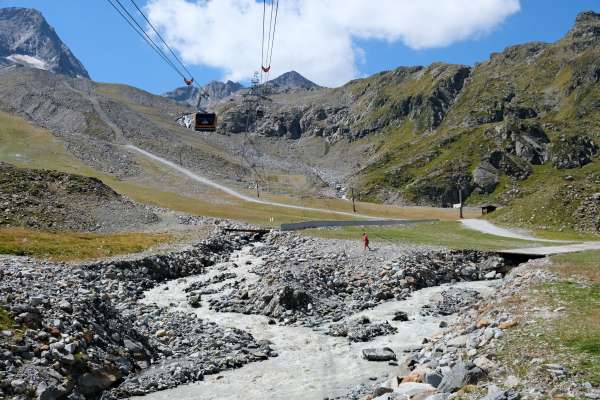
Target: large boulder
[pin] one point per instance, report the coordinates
(380, 354)
(458, 377)
(573, 152)
(527, 140)
(485, 177)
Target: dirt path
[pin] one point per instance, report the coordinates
(562, 246)
(549, 250)
(487, 227)
(208, 182)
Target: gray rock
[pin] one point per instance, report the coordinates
(94, 382)
(433, 378)
(50, 392)
(485, 177)
(458, 377)
(380, 354)
(400, 316)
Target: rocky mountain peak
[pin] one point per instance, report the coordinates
(216, 91)
(586, 31)
(587, 17)
(26, 38)
(292, 80)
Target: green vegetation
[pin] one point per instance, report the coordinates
(445, 233)
(570, 337)
(6, 321)
(422, 165)
(75, 246)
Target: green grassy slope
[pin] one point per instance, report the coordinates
(549, 88)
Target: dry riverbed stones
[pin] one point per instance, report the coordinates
(305, 281)
(78, 330)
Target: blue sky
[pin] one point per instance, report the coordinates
(113, 53)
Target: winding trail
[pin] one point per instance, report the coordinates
(209, 182)
(484, 226)
(561, 247)
(310, 364)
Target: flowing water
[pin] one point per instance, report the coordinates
(310, 364)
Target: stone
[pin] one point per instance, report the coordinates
(438, 396)
(414, 376)
(512, 381)
(433, 378)
(50, 392)
(458, 377)
(482, 323)
(65, 306)
(19, 386)
(161, 333)
(485, 177)
(71, 348)
(484, 363)
(379, 354)
(94, 382)
(508, 324)
(133, 346)
(36, 300)
(458, 341)
(400, 316)
(411, 389)
(490, 275)
(380, 391)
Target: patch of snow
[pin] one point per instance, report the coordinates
(29, 60)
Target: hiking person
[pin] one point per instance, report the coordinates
(365, 239)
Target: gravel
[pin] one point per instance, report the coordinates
(79, 330)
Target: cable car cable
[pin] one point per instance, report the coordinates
(162, 39)
(273, 36)
(262, 50)
(144, 36)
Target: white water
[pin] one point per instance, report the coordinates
(234, 193)
(310, 364)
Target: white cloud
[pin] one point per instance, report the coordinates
(315, 37)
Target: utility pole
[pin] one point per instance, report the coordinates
(353, 204)
(180, 156)
(257, 190)
(460, 201)
(460, 185)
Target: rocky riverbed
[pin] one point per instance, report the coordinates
(310, 282)
(232, 314)
(79, 330)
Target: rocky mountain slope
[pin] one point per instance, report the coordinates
(26, 38)
(58, 201)
(215, 90)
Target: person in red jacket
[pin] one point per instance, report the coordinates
(365, 239)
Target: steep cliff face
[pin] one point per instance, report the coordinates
(421, 96)
(26, 38)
